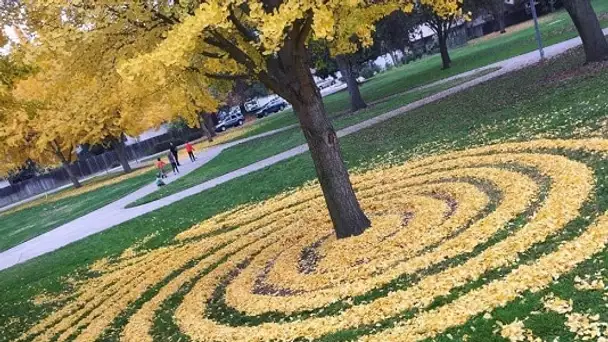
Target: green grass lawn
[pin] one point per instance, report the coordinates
(21, 225)
(557, 99)
(555, 28)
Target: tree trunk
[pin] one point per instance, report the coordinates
(588, 26)
(66, 166)
(501, 23)
(204, 128)
(119, 147)
(346, 214)
(243, 109)
(208, 120)
(394, 58)
(443, 49)
(71, 175)
(346, 69)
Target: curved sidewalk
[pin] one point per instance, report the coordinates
(115, 213)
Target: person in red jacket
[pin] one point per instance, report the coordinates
(160, 165)
(190, 149)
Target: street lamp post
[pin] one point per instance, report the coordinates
(539, 39)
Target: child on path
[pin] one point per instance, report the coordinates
(173, 162)
(189, 149)
(159, 180)
(160, 165)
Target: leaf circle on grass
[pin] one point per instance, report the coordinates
(446, 244)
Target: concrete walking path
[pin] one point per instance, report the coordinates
(115, 213)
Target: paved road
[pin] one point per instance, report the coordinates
(115, 213)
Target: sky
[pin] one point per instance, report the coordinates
(11, 35)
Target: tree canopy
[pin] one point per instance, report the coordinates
(136, 62)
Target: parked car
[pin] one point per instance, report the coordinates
(230, 120)
(273, 106)
(328, 82)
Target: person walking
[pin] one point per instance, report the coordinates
(173, 150)
(161, 165)
(173, 162)
(190, 149)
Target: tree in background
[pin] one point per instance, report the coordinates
(495, 7)
(589, 29)
(205, 122)
(81, 66)
(10, 109)
(325, 64)
(244, 90)
(349, 69)
(393, 32)
(441, 16)
(266, 40)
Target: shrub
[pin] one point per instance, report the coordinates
(368, 70)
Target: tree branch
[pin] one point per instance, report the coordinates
(230, 77)
(211, 54)
(306, 28)
(245, 31)
(268, 79)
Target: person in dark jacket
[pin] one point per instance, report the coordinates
(173, 150)
(173, 162)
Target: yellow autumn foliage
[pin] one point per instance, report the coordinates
(75, 95)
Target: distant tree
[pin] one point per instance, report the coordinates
(348, 64)
(441, 16)
(321, 60)
(243, 90)
(495, 7)
(548, 5)
(589, 29)
(205, 122)
(349, 68)
(393, 32)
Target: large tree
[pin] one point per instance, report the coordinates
(589, 29)
(266, 40)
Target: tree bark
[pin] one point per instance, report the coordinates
(443, 49)
(589, 29)
(203, 120)
(119, 147)
(243, 109)
(208, 120)
(394, 58)
(204, 128)
(66, 166)
(346, 214)
(346, 69)
(71, 175)
(501, 23)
